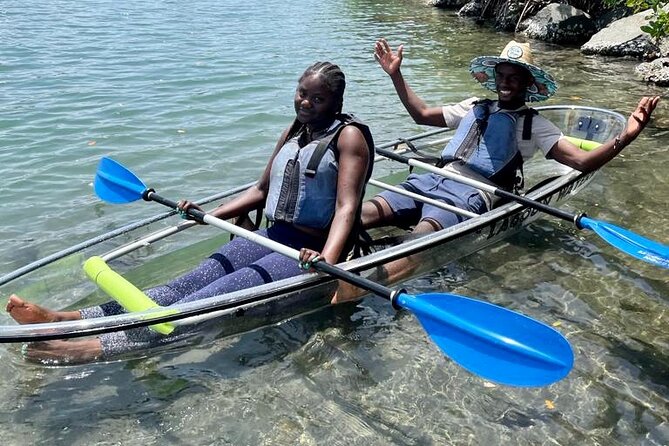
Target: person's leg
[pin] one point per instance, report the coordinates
(270, 268)
(64, 352)
(25, 312)
(231, 256)
(433, 219)
(458, 195)
(404, 267)
(238, 252)
(208, 271)
(389, 273)
(376, 212)
(390, 208)
(237, 265)
(387, 208)
(194, 285)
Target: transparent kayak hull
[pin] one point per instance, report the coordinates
(152, 251)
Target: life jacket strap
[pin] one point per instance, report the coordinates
(359, 240)
(527, 123)
(330, 141)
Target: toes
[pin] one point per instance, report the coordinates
(11, 303)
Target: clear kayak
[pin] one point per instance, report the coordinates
(154, 250)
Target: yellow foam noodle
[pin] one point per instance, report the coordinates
(584, 144)
(122, 291)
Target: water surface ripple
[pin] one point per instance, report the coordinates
(192, 96)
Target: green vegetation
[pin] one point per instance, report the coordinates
(658, 24)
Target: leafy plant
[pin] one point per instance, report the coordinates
(658, 20)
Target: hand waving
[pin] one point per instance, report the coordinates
(389, 61)
(640, 117)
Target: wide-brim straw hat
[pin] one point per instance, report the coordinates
(483, 70)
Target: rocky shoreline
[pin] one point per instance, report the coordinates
(598, 30)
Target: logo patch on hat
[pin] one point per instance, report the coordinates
(515, 52)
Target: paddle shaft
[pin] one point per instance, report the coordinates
(287, 251)
(559, 213)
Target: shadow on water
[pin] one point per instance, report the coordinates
(650, 360)
(568, 250)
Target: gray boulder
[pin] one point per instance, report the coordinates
(623, 38)
(656, 71)
(471, 9)
(559, 23)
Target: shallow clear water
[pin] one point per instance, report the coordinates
(192, 97)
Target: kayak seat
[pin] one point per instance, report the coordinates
(541, 183)
(503, 201)
(245, 221)
(587, 127)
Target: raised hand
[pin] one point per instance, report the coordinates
(389, 61)
(640, 117)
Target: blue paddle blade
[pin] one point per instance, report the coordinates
(116, 184)
(629, 242)
(493, 342)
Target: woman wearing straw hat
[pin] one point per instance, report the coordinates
(491, 141)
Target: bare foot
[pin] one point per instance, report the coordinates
(347, 293)
(61, 352)
(26, 313)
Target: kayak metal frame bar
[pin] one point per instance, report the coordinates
(146, 241)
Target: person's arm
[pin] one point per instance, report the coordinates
(353, 161)
(251, 199)
(417, 108)
(567, 153)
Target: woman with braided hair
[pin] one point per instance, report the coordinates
(311, 190)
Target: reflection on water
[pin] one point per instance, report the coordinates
(170, 90)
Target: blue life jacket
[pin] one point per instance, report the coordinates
(303, 180)
(486, 143)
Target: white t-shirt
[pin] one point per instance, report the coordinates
(544, 133)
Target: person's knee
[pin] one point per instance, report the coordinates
(375, 212)
(368, 214)
(427, 225)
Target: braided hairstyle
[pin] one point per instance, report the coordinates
(332, 76)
